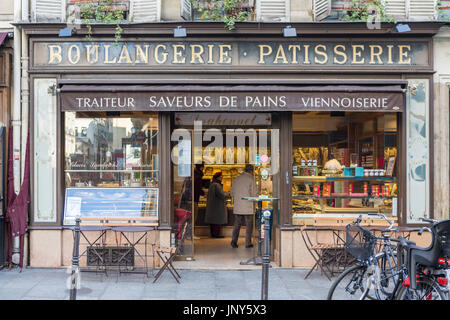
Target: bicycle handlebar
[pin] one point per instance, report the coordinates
(424, 229)
(429, 220)
(391, 224)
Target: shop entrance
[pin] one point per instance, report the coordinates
(209, 152)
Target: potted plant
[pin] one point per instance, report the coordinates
(228, 11)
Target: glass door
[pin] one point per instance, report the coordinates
(183, 188)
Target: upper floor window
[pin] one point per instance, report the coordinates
(103, 11)
(387, 10)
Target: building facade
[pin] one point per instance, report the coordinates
(115, 123)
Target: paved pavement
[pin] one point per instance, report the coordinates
(51, 284)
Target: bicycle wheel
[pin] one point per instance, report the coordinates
(350, 285)
(389, 273)
(427, 289)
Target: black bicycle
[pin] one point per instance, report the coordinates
(375, 274)
(385, 275)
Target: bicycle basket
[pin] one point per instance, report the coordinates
(359, 242)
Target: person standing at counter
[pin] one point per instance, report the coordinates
(243, 186)
(216, 209)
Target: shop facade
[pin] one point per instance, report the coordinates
(108, 120)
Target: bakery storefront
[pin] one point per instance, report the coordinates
(335, 127)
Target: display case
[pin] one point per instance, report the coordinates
(343, 195)
(341, 166)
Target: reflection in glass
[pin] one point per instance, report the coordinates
(104, 150)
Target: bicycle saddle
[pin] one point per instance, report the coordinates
(429, 257)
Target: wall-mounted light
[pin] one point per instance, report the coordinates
(66, 32)
(289, 32)
(179, 32)
(402, 28)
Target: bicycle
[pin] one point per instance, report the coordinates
(374, 276)
(393, 283)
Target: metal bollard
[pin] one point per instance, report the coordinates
(266, 256)
(75, 261)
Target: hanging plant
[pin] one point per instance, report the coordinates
(228, 11)
(102, 11)
(362, 10)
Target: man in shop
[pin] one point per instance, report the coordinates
(216, 209)
(243, 186)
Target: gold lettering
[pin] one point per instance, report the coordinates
(178, 54)
(280, 55)
(72, 59)
(107, 55)
(340, 53)
(124, 55)
(55, 54)
(321, 53)
(357, 54)
(263, 53)
(377, 54)
(390, 54)
(197, 55)
(402, 54)
(210, 53)
(164, 54)
(90, 49)
(223, 55)
(294, 48)
(306, 61)
(141, 56)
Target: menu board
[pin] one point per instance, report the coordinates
(110, 202)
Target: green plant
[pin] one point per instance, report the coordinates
(362, 10)
(442, 15)
(102, 11)
(228, 11)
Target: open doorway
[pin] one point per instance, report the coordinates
(209, 146)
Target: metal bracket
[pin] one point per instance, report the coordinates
(52, 90)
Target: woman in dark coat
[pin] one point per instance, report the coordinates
(216, 209)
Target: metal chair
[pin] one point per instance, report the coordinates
(324, 254)
(168, 254)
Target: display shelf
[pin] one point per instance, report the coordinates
(325, 178)
(339, 197)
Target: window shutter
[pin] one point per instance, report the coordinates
(396, 9)
(145, 10)
(49, 10)
(422, 10)
(321, 9)
(186, 10)
(273, 10)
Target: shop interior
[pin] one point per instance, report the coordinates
(239, 142)
(344, 164)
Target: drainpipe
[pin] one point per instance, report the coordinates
(16, 113)
(25, 93)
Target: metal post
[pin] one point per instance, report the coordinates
(260, 239)
(265, 234)
(75, 261)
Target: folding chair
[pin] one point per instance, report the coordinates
(322, 253)
(168, 254)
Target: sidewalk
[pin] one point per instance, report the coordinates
(285, 284)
